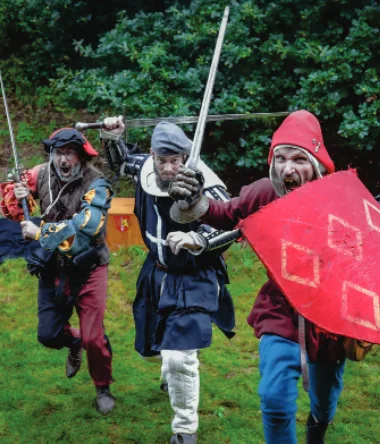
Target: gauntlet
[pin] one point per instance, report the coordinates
(187, 185)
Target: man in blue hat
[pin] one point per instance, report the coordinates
(72, 263)
(178, 295)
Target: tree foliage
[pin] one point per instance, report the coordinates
(39, 36)
(277, 56)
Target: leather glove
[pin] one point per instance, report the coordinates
(21, 190)
(113, 128)
(29, 230)
(189, 241)
(187, 185)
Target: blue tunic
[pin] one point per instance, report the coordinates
(178, 296)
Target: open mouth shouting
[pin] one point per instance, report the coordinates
(291, 183)
(65, 170)
(67, 162)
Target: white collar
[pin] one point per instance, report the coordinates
(149, 184)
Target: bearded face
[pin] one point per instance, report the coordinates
(165, 168)
(292, 167)
(67, 162)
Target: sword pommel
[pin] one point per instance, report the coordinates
(81, 126)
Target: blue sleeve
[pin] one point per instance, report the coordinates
(74, 236)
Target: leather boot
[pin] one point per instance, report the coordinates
(74, 359)
(183, 438)
(105, 402)
(315, 431)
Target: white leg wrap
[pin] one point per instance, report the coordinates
(180, 369)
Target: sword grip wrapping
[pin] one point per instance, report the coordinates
(25, 208)
(80, 126)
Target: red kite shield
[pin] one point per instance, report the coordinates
(321, 245)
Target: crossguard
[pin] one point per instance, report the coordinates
(185, 204)
(191, 213)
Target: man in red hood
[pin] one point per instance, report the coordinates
(297, 156)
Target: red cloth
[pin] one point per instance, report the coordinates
(302, 129)
(310, 239)
(271, 312)
(9, 205)
(90, 305)
(226, 215)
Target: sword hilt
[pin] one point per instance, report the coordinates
(24, 201)
(25, 208)
(81, 126)
(184, 204)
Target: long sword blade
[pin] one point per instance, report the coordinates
(136, 123)
(13, 143)
(143, 122)
(192, 161)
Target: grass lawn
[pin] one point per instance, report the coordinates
(38, 404)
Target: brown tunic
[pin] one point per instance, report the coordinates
(70, 200)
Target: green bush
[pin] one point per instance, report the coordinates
(283, 55)
(277, 56)
(39, 36)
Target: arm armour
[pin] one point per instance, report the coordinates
(132, 165)
(217, 239)
(123, 157)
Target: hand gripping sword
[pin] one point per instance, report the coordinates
(179, 211)
(24, 202)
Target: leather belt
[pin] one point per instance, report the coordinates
(162, 267)
(178, 271)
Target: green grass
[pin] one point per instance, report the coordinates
(38, 404)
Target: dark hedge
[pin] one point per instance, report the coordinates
(277, 56)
